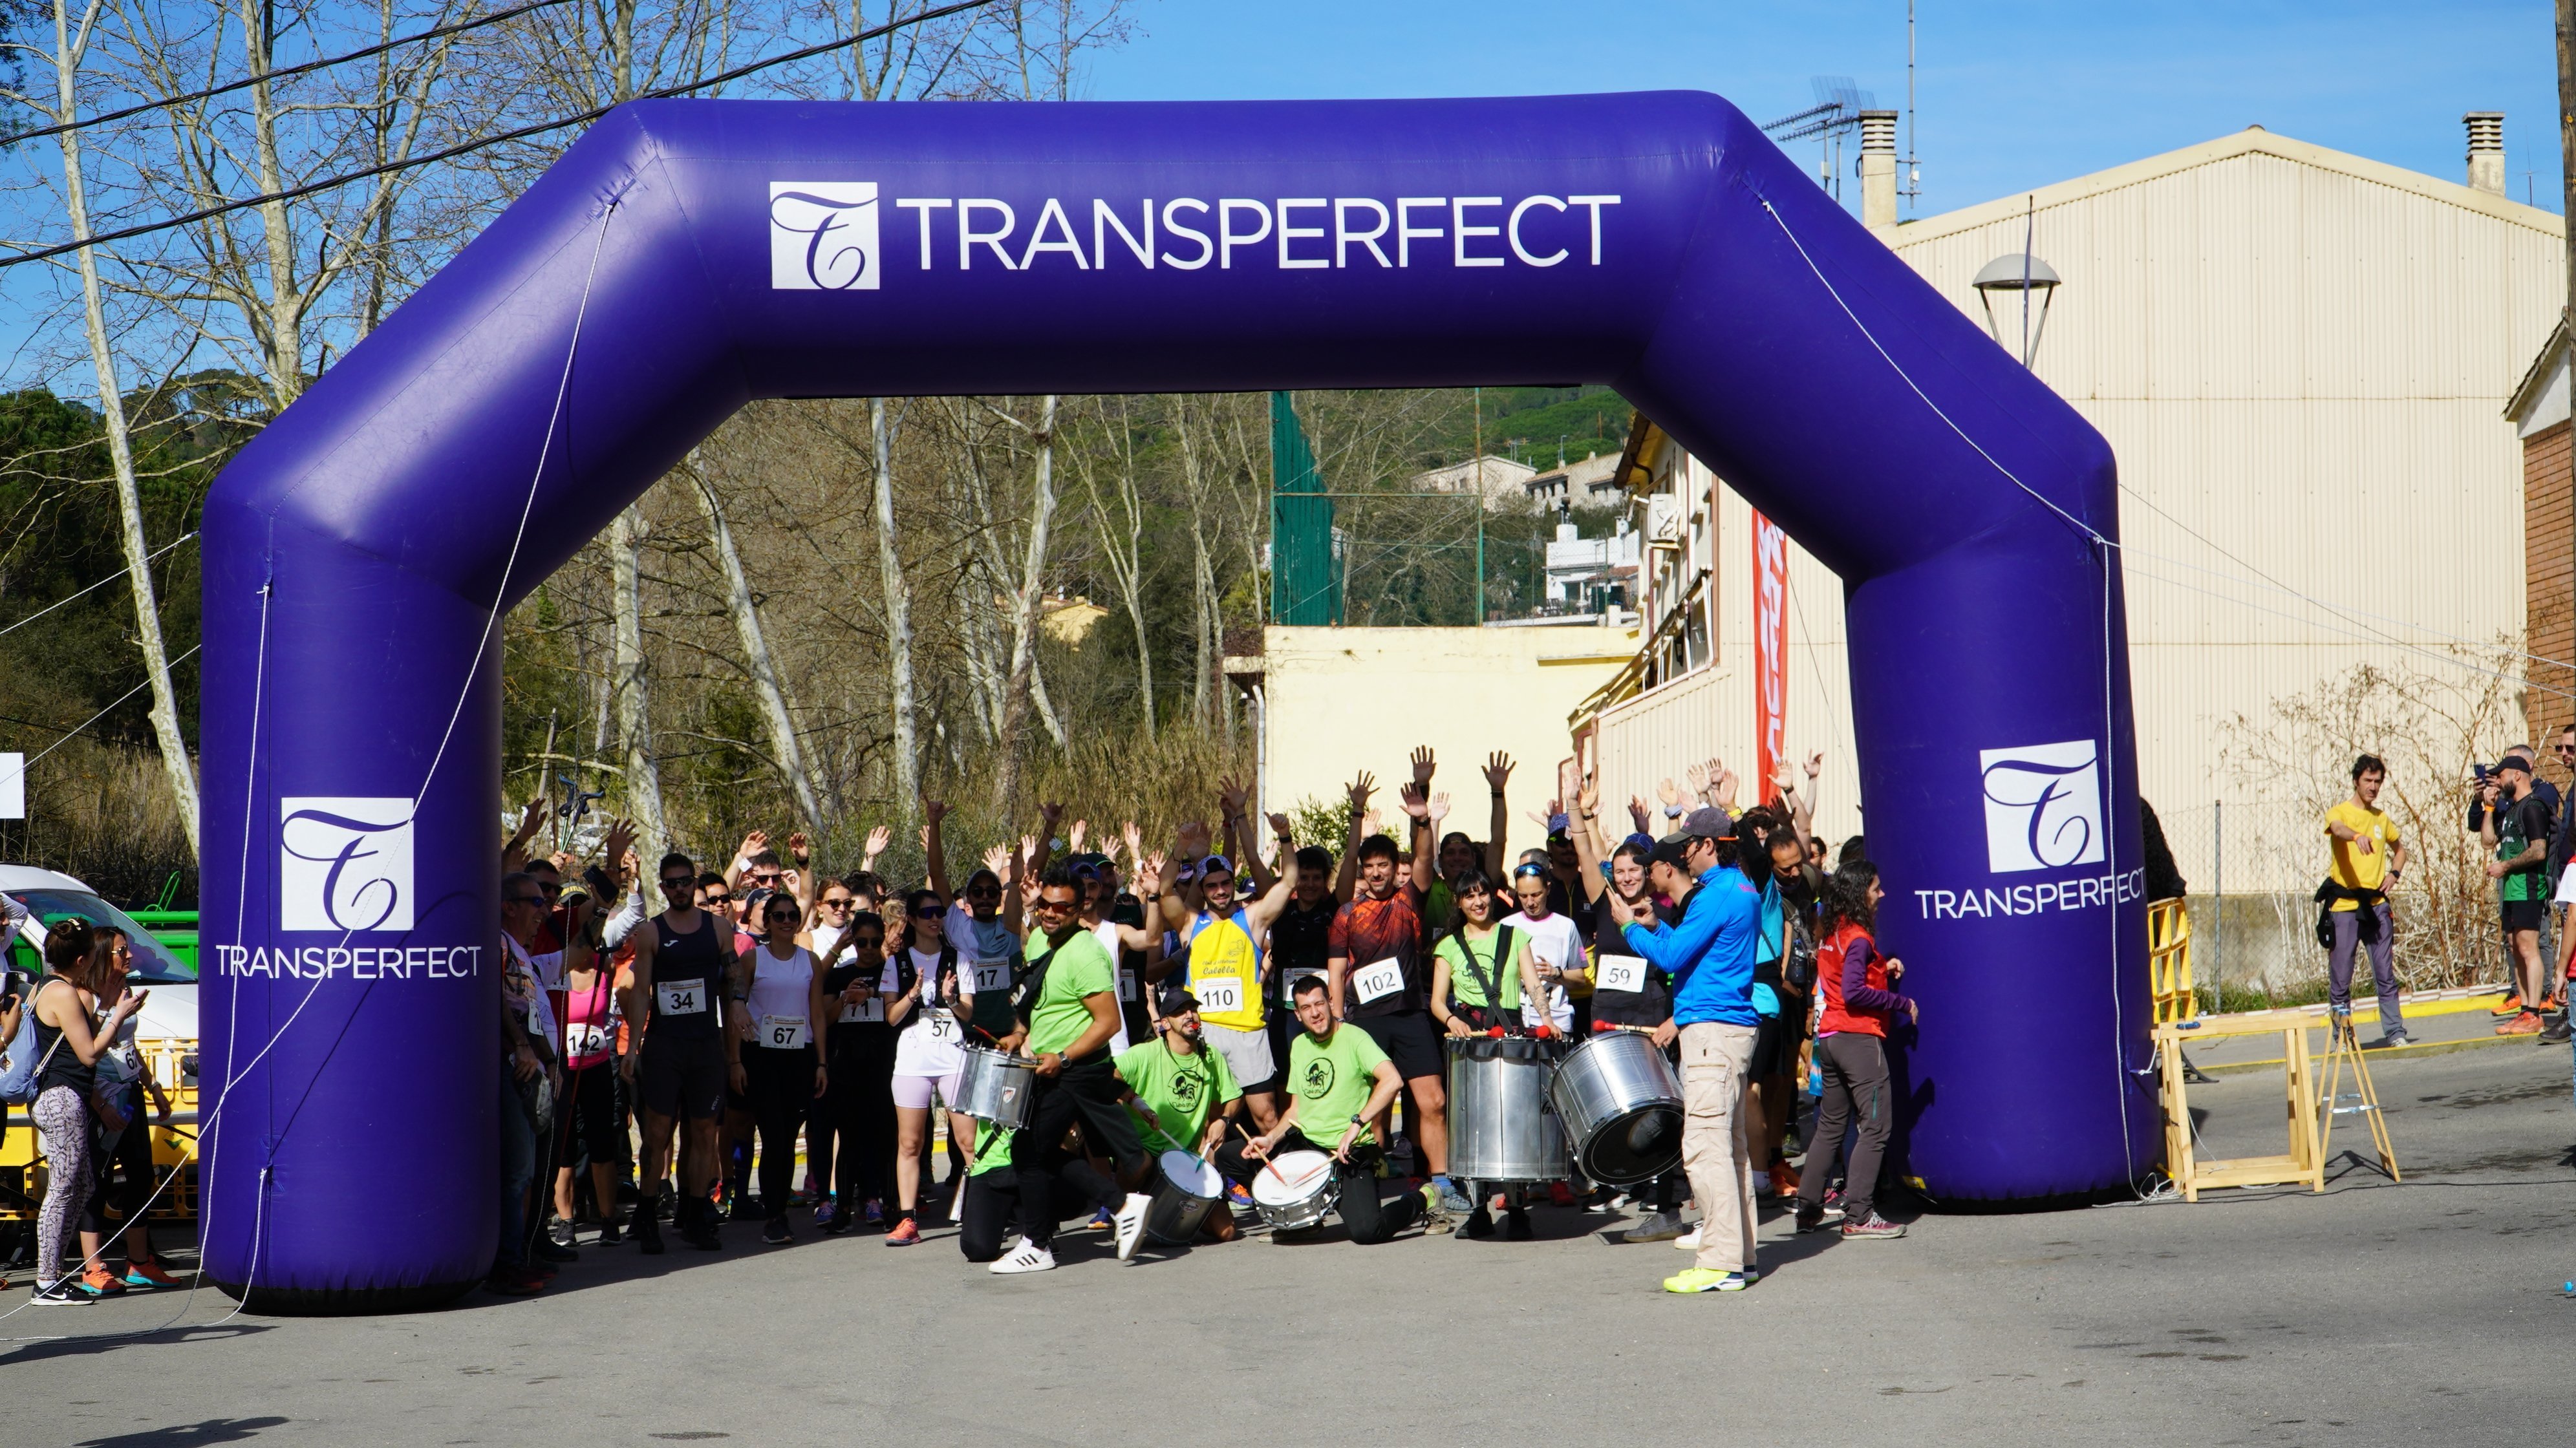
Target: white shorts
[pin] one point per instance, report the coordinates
(1246, 1053)
(914, 1091)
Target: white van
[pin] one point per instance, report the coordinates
(171, 1013)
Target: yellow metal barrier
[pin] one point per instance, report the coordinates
(2169, 962)
(174, 1147)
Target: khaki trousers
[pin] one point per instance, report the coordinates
(1717, 1142)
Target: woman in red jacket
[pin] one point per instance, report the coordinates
(1858, 989)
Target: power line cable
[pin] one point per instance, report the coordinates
(462, 148)
(283, 72)
(102, 583)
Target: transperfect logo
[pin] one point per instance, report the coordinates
(344, 863)
(823, 236)
(2043, 807)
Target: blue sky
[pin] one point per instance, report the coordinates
(2009, 95)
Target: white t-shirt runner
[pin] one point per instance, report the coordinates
(1106, 932)
(935, 1047)
(1552, 942)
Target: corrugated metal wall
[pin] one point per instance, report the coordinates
(2301, 360)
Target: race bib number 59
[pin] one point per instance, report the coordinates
(1622, 972)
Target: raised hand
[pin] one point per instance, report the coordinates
(934, 810)
(1697, 778)
(1417, 799)
(1423, 764)
(1498, 771)
(799, 848)
(1029, 888)
(1439, 807)
(1569, 778)
(1051, 813)
(1641, 814)
(997, 858)
(1149, 876)
(1361, 788)
(1230, 795)
(1671, 792)
(1587, 798)
(1717, 772)
(1074, 837)
(1028, 854)
(1135, 838)
(752, 844)
(619, 840)
(532, 819)
(1815, 764)
(1194, 840)
(1721, 790)
(878, 839)
(1370, 822)
(1784, 778)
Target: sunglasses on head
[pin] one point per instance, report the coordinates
(1528, 870)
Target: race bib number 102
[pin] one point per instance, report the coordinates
(1376, 982)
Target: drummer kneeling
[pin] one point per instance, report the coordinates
(1338, 1080)
(1183, 1096)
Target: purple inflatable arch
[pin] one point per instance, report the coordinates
(712, 252)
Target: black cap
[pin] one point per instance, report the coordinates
(2514, 761)
(1176, 999)
(1673, 850)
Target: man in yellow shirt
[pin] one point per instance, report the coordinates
(2366, 859)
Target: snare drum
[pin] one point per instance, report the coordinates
(1181, 1200)
(996, 1087)
(1296, 1189)
(1622, 1102)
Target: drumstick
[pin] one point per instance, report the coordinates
(1267, 1164)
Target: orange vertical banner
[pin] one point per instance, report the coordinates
(1770, 651)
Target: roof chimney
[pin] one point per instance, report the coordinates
(2486, 151)
(1878, 169)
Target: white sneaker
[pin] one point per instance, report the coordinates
(1688, 1241)
(1025, 1259)
(1130, 1223)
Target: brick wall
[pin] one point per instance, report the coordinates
(2549, 570)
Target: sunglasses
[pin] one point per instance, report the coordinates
(719, 897)
(985, 892)
(551, 889)
(1059, 905)
(523, 899)
(1529, 872)
(843, 902)
(678, 882)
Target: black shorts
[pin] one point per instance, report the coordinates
(1777, 1038)
(1408, 1040)
(2523, 914)
(682, 1078)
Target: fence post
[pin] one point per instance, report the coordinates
(2218, 904)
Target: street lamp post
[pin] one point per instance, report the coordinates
(2016, 288)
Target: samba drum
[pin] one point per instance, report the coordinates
(1622, 1103)
(1501, 1127)
(1296, 1189)
(1189, 1187)
(997, 1087)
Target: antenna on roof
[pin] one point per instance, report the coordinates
(1835, 114)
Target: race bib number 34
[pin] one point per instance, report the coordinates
(1376, 982)
(680, 1000)
(1219, 994)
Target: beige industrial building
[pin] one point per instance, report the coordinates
(2302, 360)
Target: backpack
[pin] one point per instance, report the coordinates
(20, 1065)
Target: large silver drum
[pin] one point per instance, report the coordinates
(996, 1087)
(1501, 1126)
(1622, 1103)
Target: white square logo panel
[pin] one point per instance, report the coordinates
(823, 236)
(2043, 807)
(345, 863)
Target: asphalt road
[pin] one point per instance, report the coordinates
(2425, 1312)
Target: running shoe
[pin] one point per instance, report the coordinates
(148, 1276)
(1873, 1226)
(1661, 1227)
(1816, 1218)
(2511, 1005)
(609, 1236)
(1436, 1221)
(906, 1232)
(1688, 1241)
(2526, 1024)
(1239, 1199)
(1784, 1182)
(514, 1282)
(1560, 1194)
(1480, 1224)
(647, 1232)
(61, 1292)
(1130, 1223)
(1101, 1221)
(2390, 1041)
(1516, 1225)
(1028, 1258)
(1708, 1279)
(99, 1282)
(827, 1212)
(1452, 1200)
(547, 1249)
(2559, 1030)
(872, 1212)
(776, 1233)
(559, 1231)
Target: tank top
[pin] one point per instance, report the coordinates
(853, 1030)
(1627, 989)
(1225, 971)
(687, 973)
(590, 1030)
(62, 1068)
(781, 994)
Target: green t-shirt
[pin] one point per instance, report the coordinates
(1464, 987)
(992, 1148)
(1332, 1081)
(1184, 1091)
(2517, 824)
(1080, 968)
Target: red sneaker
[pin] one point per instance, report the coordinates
(905, 1233)
(1784, 1182)
(2526, 1024)
(2511, 1005)
(1559, 1194)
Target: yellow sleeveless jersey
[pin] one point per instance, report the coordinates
(1225, 974)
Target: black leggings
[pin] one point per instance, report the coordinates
(781, 1083)
(850, 1144)
(1369, 1219)
(1052, 1176)
(134, 1155)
